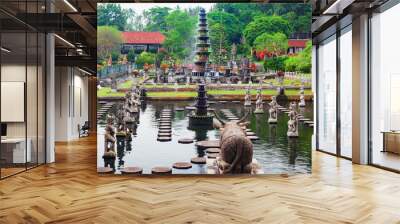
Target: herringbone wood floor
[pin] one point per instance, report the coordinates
(70, 191)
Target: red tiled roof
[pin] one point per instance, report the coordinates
(297, 43)
(143, 37)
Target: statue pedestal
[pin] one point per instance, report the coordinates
(247, 103)
(272, 120)
(302, 103)
(292, 134)
(258, 111)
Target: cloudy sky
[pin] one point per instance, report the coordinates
(140, 7)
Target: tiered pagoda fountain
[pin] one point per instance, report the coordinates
(201, 117)
(202, 46)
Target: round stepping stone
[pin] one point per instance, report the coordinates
(212, 155)
(164, 139)
(132, 170)
(253, 138)
(161, 170)
(104, 170)
(199, 160)
(164, 134)
(249, 133)
(182, 165)
(185, 140)
(213, 150)
(208, 144)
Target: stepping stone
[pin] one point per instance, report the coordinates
(211, 102)
(190, 108)
(199, 160)
(250, 133)
(179, 109)
(213, 155)
(222, 101)
(185, 140)
(164, 134)
(164, 123)
(253, 138)
(104, 170)
(304, 119)
(235, 101)
(164, 131)
(211, 109)
(248, 130)
(164, 139)
(208, 144)
(182, 165)
(213, 150)
(164, 128)
(132, 170)
(161, 170)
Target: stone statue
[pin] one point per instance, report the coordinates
(273, 111)
(259, 102)
(302, 100)
(109, 143)
(293, 128)
(236, 150)
(247, 98)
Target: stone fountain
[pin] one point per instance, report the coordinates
(200, 117)
(202, 46)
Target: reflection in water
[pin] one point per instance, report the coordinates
(274, 151)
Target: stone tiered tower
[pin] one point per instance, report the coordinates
(201, 117)
(202, 46)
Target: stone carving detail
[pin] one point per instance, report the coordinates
(273, 111)
(236, 150)
(293, 128)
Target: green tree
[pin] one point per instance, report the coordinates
(180, 34)
(230, 23)
(265, 24)
(109, 40)
(275, 43)
(145, 58)
(156, 19)
(300, 62)
(111, 14)
(218, 41)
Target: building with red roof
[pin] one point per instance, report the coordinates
(141, 41)
(296, 45)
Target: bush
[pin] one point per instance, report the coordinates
(145, 57)
(275, 63)
(131, 55)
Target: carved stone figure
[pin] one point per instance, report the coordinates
(302, 100)
(293, 129)
(259, 102)
(247, 98)
(273, 111)
(236, 150)
(109, 143)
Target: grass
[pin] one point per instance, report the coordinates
(106, 92)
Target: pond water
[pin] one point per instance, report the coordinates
(275, 152)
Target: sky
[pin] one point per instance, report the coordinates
(140, 7)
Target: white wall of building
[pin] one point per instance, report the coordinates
(71, 102)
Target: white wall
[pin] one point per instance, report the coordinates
(71, 102)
